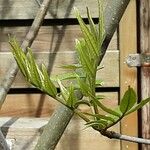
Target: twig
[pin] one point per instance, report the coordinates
(114, 135)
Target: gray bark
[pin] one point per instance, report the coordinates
(114, 135)
(54, 129)
(113, 14)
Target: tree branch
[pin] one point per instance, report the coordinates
(55, 128)
(11, 73)
(114, 135)
(113, 14)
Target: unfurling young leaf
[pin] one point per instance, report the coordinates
(106, 109)
(92, 28)
(84, 57)
(39, 78)
(99, 124)
(71, 99)
(68, 95)
(66, 76)
(71, 67)
(48, 84)
(138, 106)
(88, 35)
(99, 83)
(99, 116)
(20, 57)
(84, 87)
(64, 91)
(34, 70)
(101, 24)
(128, 100)
(100, 97)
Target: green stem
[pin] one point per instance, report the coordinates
(81, 116)
(92, 85)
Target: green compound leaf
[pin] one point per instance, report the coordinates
(106, 109)
(85, 89)
(138, 106)
(34, 70)
(64, 91)
(100, 67)
(102, 124)
(20, 57)
(38, 78)
(99, 82)
(68, 95)
(49, 87)
(101, 24)
(66, 76)
(99, 116)
(88, 35)
(128, 100)
(71, 99)
(100, 97)
(84, 57)
(92, 26)
(71, 67)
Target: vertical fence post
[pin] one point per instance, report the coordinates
(144, 6)
(128, 76)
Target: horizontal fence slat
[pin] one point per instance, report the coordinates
(52, 38)
(40, 105)
(109, 74)
(30, 105)
(26, 9)
(23, 134)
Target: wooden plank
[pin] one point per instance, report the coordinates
(145, 71)
(110, 73)
(24, 133)
(128, 76)
(40, 105)
(30, 105)
(52, 38)
(20, 9)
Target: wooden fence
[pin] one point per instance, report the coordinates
(25, 110)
